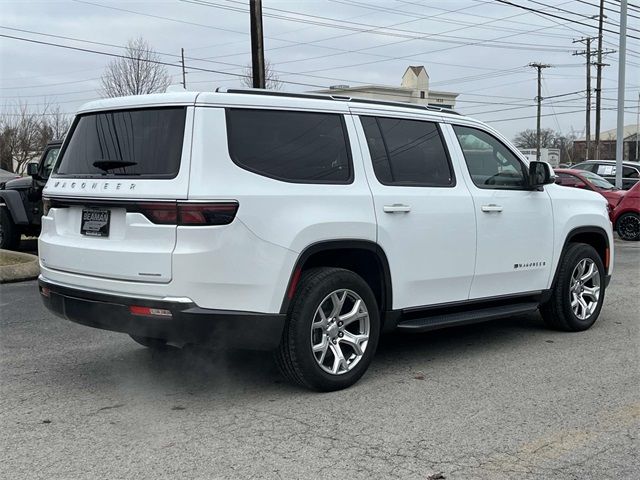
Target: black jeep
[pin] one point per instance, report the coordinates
(21, 199)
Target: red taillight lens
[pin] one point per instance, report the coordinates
(164, 213)
(221, 213)
(187, 213)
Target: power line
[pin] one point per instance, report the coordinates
(375, 29)
(115, 55)
(548, 14)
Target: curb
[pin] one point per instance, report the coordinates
(24, 266)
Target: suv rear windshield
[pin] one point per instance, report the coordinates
(146, 142)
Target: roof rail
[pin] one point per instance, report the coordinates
(343, 98)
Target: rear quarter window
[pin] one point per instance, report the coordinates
(298, 147)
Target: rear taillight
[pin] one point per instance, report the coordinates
(46, 206)
(187, 213)
(163, 213)
(206, 213)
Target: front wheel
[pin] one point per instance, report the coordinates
(332, 330)
(578, 292)
(628, 226)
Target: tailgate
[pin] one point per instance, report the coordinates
(107, 209)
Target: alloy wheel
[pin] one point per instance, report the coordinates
(629, 227)
(340, 331)
(584, 290)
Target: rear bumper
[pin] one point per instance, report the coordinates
(188, 323)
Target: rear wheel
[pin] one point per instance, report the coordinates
(578, 292)
(332, 330)
(9, 233)
(156, 344)
(628, 226)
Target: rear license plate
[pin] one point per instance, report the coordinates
(95, 223)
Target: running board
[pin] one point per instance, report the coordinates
(440, 320)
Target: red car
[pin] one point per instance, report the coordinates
(590, 181)
(626, 215)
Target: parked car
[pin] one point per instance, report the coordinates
(308, 224)
(626, 215)
(5, 176)
(607, 170)
(590, 181)
(21, 200)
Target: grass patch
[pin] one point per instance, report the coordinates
(10, 258)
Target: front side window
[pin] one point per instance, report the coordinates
(122, 143)
(49, 161)
(407, 152)
(299, 147)
(491, 164)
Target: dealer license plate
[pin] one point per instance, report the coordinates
(95, 223)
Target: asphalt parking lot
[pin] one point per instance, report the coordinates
(503, 400)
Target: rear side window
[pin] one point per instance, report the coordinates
(589, 167)
(407, 152)
(123, 143)
(300, 147)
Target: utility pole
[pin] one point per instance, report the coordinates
(539, 67)
(184, 75)
(257, 44)
(587, 53)
(599, 66)
(622, 59)
(638, 129)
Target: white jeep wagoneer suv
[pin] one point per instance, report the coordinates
(308, 224)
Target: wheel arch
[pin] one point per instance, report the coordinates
(13, 202)
(364, 257)
(591, 235)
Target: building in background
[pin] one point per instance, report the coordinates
(414, 88)
(608, 145)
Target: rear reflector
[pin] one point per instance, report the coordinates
(149, 312)
(45, 291)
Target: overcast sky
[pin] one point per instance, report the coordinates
(478, 48)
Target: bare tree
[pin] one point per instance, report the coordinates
(527, 138)
(136, 73)
(24, 133)
(272, 79)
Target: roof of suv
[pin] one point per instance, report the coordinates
(613, 162)
(255, 97)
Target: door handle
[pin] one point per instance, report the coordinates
(396, 208)
(492, 207)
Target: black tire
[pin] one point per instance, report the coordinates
(295, 357)
(9, 233)
(628, 227)
(155, 344)
(558, 312)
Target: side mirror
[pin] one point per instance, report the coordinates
(32, 169)
(540, 174)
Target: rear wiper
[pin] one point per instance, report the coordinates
(107, 165)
